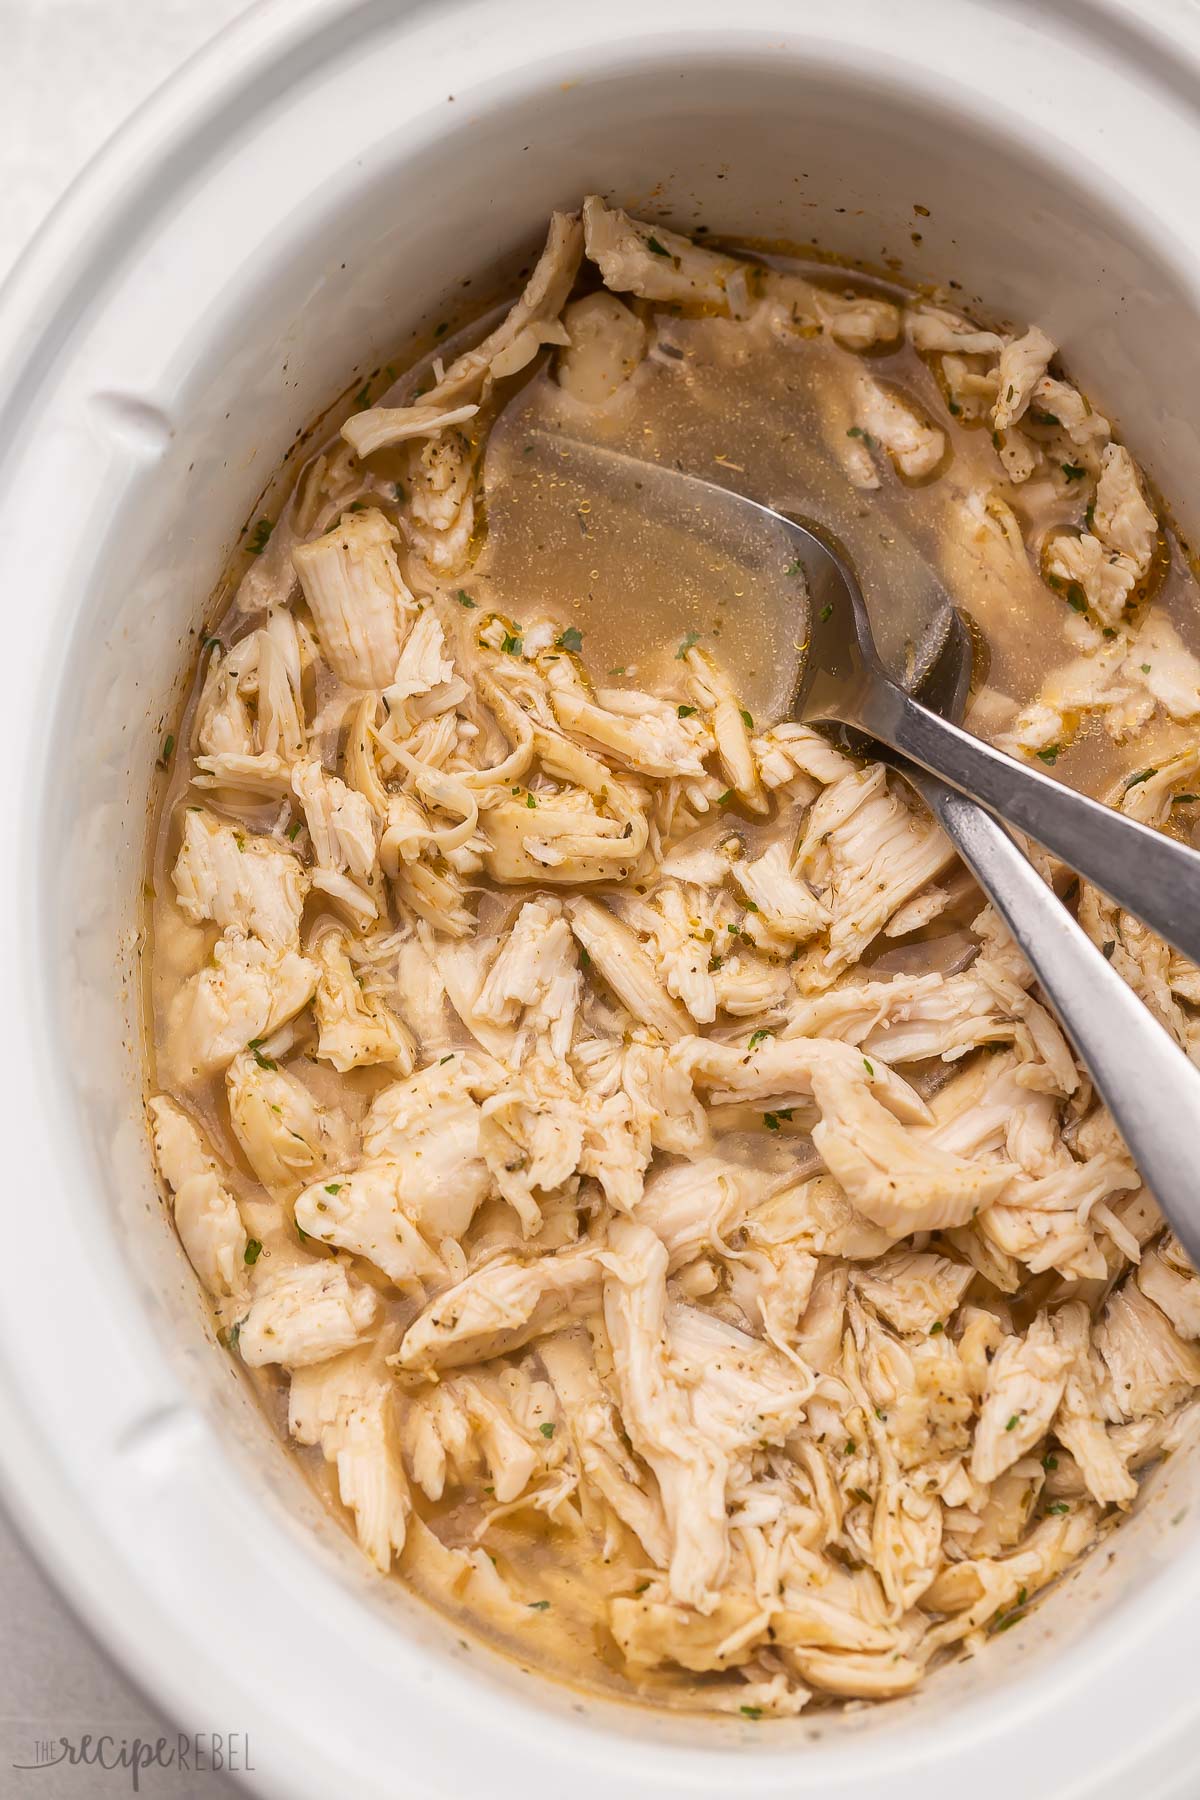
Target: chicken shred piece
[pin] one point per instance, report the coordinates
(303, 1315)
(345, 1408)
(1023, 363)
(658, 1417)
(915, 446)
(206, 1215)
(606, 342)
(501, 1308)
(382, 426)
(245, 994)
(341, 828)
(239, 880)
(284, 1131)
(530, 323)
(357, 595)
(354, 1028)
(1149, 1366)
(1024, 1386)
(619, 957)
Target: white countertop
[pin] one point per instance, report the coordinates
(73, 69)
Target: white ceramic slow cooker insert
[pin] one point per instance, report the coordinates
(306, 192)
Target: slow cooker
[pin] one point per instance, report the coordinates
(273, 224)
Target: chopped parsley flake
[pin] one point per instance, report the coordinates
(1073, 471)
(252, 1251)
(259, 536)
(571, 639)
(725, 798)
(1049, 755)
(758, 1037)
(445, 1060)
(1184, 799)
(751, 1712)
(685, 712)
(547, 1430)
(333, 1187)
(464, 599)
(539, 1606)
(1060, 1506)
(1076, 598)
(868, 1067)
(1145, 668)
(168, 747)
(1107, 948)
(294, 830)
(1013, 1422)
(264, 1062)
(530, 801)
(1136, 780)
(511, 645)
(747, 721)
(657, 249)
(795, 568)
(689, 638)
(826, 612)
(363, 397)
(858, 432)
(1050, 1463)
(936, 1327)
(772, 1119)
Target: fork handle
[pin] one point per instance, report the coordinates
(1152, 876)
(1150, 1087)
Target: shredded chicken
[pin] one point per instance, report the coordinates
(357, 596)
(915, 446)
(612, 1119)
(206, 1215)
